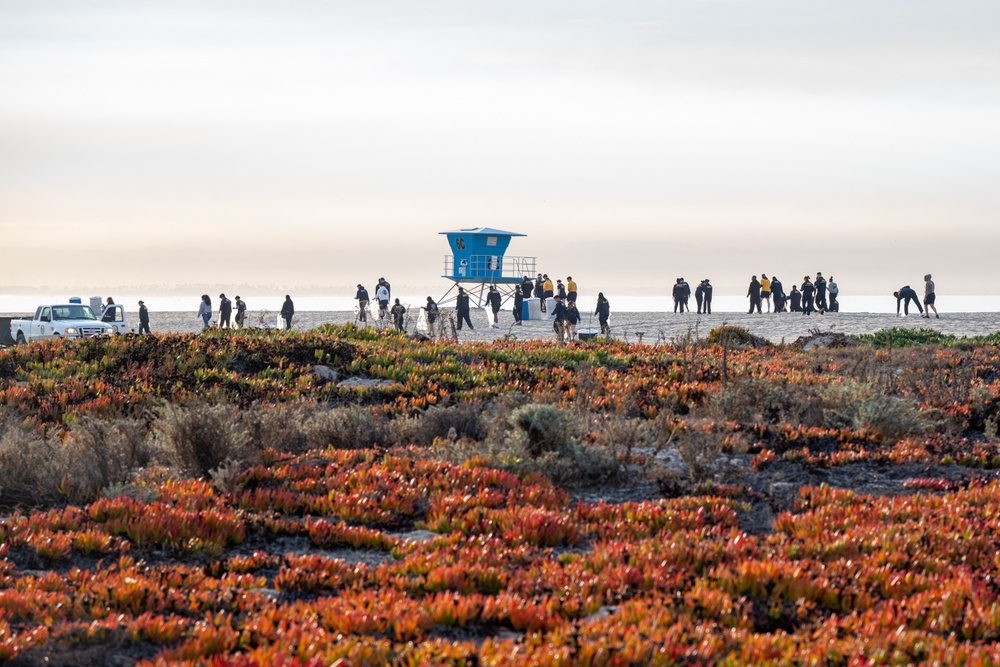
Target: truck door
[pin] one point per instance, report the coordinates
(114, 315)
(42, 327)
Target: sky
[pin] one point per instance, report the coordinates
(321, 144)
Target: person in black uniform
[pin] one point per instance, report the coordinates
(398, 312)
(753, 292)
(225, 310)
(686, 295)
(493, 298)
(905, 295)
(603, 312)
(795, 296)
(527, 287)
(708, 297)
(143, 318)
(808, 294)
(678, 295)
(462, 309)
(820, 285)
(559, 319)
(777, 294)
(287, 311)
(699, 295)
(241, 311)
(518, 306)
(362, 296)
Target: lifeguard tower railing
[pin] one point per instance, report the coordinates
(489, 269)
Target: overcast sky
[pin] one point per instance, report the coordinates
(325, 143)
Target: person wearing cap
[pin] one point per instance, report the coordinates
(241, 311)
(143, 318)
(708, 296)
(225, 310)
(432, 314)
(362, 297)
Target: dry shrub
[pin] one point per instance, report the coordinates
(97, 453)
(860, 406)
(279, 427)
(537, 438)
(201, 437)
(348, 427)
(700, 449)
(755, 400)
(31, 472)
(462, 420)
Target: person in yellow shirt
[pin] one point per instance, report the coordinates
(765, 290)
(570, 289)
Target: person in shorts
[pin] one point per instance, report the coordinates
(432, 314)
(929, 298)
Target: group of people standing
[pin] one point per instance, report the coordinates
(702, 296)
(815, 295)
(383, 293)
(226, 312)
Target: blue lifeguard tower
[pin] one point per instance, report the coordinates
(478, 258)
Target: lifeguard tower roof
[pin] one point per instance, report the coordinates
(488, 231)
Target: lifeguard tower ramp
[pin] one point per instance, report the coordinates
(478, 259)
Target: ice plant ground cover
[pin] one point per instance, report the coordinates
(760, 506)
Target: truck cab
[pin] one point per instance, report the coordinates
(67, 320)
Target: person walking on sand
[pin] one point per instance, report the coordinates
(398, 312)
(572, 319)
(382, 296)
(494, 300)
(559, 319)
(462, 309)
(205, 310)
(929, 298)
(603, 312)
(808, 294)
(571, 289)
(287, 311)
(518, 307)
(753, 293)
(362, 297)
(432, 315)
(834, 291)
(765, 291)
(225, 310)
(905, 295)
(143, 319)
(241, 311)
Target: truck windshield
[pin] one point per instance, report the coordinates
(72, 312)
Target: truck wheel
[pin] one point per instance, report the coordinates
(20, 338)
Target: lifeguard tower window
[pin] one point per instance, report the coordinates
(491, 241)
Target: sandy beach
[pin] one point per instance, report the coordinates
(653, 327)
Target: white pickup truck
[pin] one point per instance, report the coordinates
(69, 320)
